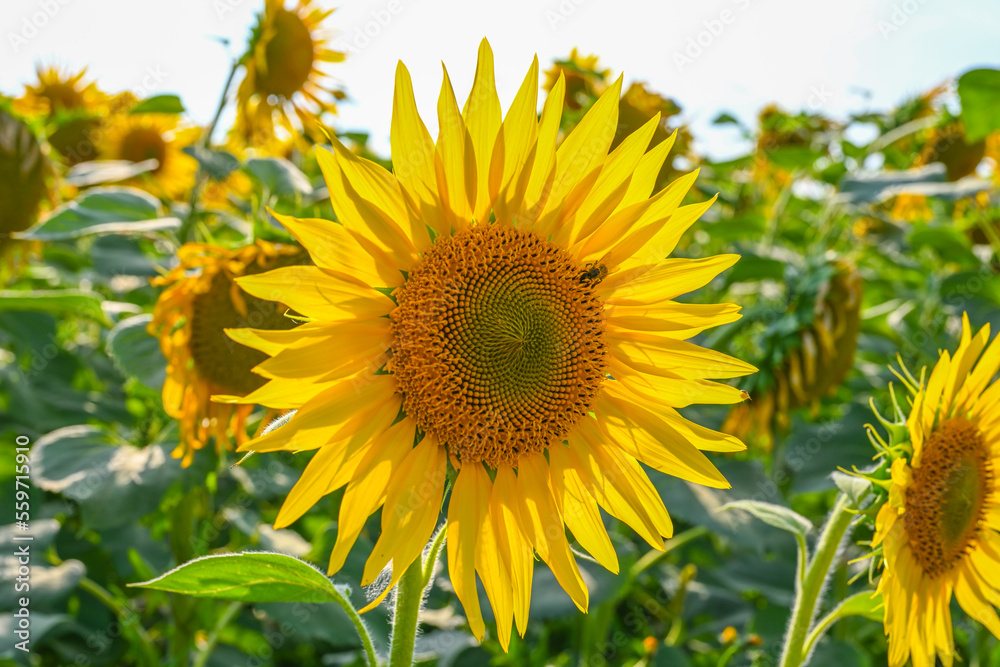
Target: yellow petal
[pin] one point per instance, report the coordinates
(413, 152)
(332, 247)
(652, 440)
(467, 510)
(538, 509)
(412, 506)
(345, 350)
(513, 545)
(676, 320)
(482, 117)
(332, 415)
(582, 516)
(492, 571)
(366, 492)
(668, 279)
(543, 168)
(611, 186)
(643, 181)
(675, 391)
(317, 294)
(648, 352)
(513, 157)
(579, 159)
(455, 162)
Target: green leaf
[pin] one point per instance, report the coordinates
(250, 577)
(95, 172)
(279, 176)
(103, 211)
(217, 164)
(725, 118)
(136, 353)
(793, 157)
(159, 104)
(58, 302)
(855, 488)
(861, 604)
(113, 484)
(979, 92)
(773, 515)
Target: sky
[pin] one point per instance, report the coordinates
(710, 56)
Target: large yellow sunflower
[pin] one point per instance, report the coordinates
(499, 306)
(157, 136)
(938, 529)
(201, 299)
(285, 75)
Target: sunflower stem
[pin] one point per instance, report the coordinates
(410, 592)
(807, 593)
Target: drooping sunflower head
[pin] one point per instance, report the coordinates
(505, 305)
(806, 353)
(152, 136)
(200, 301)
(24, 186)
(584, 80)
(285, 75)
(57, 91)
(937, 529)
(948, 145)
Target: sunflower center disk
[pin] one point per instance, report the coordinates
(944, 505)
(218, 358)
(498, 346)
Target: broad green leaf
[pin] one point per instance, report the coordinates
(50, 584)
(875, 188)
(773, 515)
(278, 175)
(136, 353)
(159, 104)
(250, 577)
(218, 164)
(979, 92)
(103, 211)
(95, 172)
(861, 604)
(114, 484)
(57, 302)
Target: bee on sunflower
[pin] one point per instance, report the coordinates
(808, 352)
(285, 77)
(936, 525)
(200, 301)
(457, 337)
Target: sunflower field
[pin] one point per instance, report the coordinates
(542, 386)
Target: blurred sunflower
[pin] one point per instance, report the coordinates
(152, 136)
(201, 299)
(584, 81)
(24, 172)
(285, 75)
(937, 530)
(780, 135)
(808, 352)
(470, 310)
(58, 91)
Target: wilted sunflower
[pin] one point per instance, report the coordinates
(24, 171)
(938, 528)
(152, 136)
(470, 310)
(201, 299)
(285, 74)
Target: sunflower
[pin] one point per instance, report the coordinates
(285, 75)
(24, 172)
(152, 136)
(200, 300)
(57, 91)
(466, 318)
(809, 364)
(938, 528)
(584, 80)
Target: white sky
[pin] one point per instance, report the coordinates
(836, 57)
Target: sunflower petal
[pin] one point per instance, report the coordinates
(482, 116)
(466, 513)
